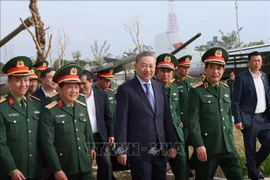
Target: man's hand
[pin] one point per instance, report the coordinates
(60, 175)
(17, 175)
(181, 124)
(201, 153)
(122, 159)
(93, 154)
(172, 152)
(239, 126)
(111, 140)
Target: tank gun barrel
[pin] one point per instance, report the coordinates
(186, 43)
(28, 22)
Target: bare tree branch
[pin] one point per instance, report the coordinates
(49, 47)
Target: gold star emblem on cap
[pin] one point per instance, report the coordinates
(32, 71)
(167, 59)
(44, 64)
(187, 59)
(218, 53)
(111, 71)
(20, 63)
(73, 71)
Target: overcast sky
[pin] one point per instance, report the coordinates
(85, 21)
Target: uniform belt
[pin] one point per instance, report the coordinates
(260, 114)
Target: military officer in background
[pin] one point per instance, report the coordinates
(40, 66)
(184, 82)
(230, 82)
(20, 156)
(202, 76)
(103, 83)
(211, 126)
(66, 133)
(33, 80)
(165, 66)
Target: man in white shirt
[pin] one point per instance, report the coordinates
(102, 124)
(251, 109)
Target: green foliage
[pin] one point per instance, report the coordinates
(100, 53)
(201, 48)
(242, 160)
(265, 167)
(1, 66)
(230, 40)
(256, 43)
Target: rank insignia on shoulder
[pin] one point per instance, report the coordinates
(80, 103)
(2, 99)
(224, 84)
(110, 90)
(197, 84)
(51, 105)
(172, 80)
(34, 97)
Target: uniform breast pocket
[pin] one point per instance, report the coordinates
(208, 105)
(63, 125)
(35, 122)
(14, 126)
(82, 121)
(227, 104)
(174, 102)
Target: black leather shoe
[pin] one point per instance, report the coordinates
(261, 176)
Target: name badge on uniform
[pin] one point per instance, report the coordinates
(180, 86)
(13, 114)
(226, 95)
(60, 116)
(208, 95)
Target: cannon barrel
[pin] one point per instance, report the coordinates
(28, 22)
(186, 43)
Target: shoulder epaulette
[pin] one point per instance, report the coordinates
(172, 84)
(189, 77)
(56, 93)
(110, 90)
(34, 97)
(82, 95)
(172, 80)
(2, 99)
(197, 84)
(224, 84)
(51, 105)
(81, 103)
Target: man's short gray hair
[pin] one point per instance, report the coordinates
(143, 54)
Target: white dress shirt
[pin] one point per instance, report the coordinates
(91, 108)
(260, 91)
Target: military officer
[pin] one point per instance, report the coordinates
(210, 116)
(184, 82)
(19, 120)
(33, 80)
(66, 133)
(203, 76)
(231, 81)
(165, 65)
(103, 83)
(40, 66)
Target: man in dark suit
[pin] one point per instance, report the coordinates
(48, 87)
(251, 108)
(102, 124)
(143, 123)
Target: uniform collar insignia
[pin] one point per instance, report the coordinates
(11, 101)
(60, 104)
(206, 85)
(30, 98)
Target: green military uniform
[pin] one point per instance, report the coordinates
(230, 83)
(178, 164)
(40, 66)
(210, 116)
(108, 74)
(19, 121)
(67, 137)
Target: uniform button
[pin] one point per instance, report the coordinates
(30, 155)
(220, 100)
(182, 113)
(223, 118)
(78, 139)
(29, 131)
(63, 121)
(221, 109)
(171, 107)
(223, 127)
(28, 120)
(60, 154)
(14, 121)
(30, 144)
(205, 134)
(84, 120)
(79, 148)
(209, 101)
(172, 114)
(75, 120)
(77, 130)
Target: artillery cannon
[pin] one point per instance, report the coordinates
(28, 22)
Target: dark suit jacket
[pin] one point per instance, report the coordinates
(245, 98)
(103, 115)
(137, 127)
(40, 94)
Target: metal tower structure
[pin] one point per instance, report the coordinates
(172, 18)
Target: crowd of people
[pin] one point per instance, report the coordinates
(54, 124)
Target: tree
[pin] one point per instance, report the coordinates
(133, 28)
(201, 48)
(62, 41)
(256, 43)
(40, 35)
(99, 53)
(76, 56)
(230, 40)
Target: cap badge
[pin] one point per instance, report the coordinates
(187, 59)
(32, 71)
(218, 53)
(167, 59)
(44, 64)
(20, 63)
(73, 71)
